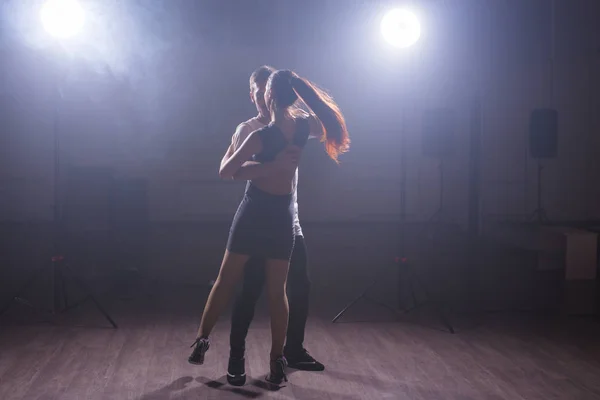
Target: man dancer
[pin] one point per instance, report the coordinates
(254, 273)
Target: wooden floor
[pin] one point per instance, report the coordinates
(501, 357)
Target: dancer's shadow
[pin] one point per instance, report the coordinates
(220, 384)
(299, 392)
(181, 386)
(165, 392)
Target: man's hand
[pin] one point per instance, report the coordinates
(288, 158)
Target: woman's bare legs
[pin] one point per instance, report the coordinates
(276, 277)
(231, 272)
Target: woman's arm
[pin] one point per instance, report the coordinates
(287, 159)
(316, 129)
(250, 169)
(231, 165)
(314, 125)
(253, 170)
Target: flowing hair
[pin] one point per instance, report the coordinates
(287, 87)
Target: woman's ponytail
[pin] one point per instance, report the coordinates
(336, 138)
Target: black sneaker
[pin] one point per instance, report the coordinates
(303, 361)
(236, 371)
(201, 346)
(277, 373)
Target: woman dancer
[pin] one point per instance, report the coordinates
(263, 223)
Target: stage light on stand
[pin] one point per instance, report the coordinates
(62, 19)
(401, 29)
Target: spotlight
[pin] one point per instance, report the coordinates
(400, 28)
(62, 19)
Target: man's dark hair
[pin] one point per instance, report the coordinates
(261, 75)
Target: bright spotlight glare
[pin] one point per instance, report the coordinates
(62, 18)
(400, 28)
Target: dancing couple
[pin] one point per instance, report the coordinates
(265, 239)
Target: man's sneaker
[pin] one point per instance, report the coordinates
(303, 361)
(200, 346)
(277, 373)
(236, 371)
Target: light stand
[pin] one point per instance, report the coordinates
(539, 214)
(414, 281)
(401, 244)
(438, 215)
(59, 269)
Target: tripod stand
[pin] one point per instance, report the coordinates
(413, 282)
(59, 270)
(539, 214)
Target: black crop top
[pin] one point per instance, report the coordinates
(273, 140)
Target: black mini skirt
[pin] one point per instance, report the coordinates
(263, 225)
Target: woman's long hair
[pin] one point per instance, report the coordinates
(286, 87)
